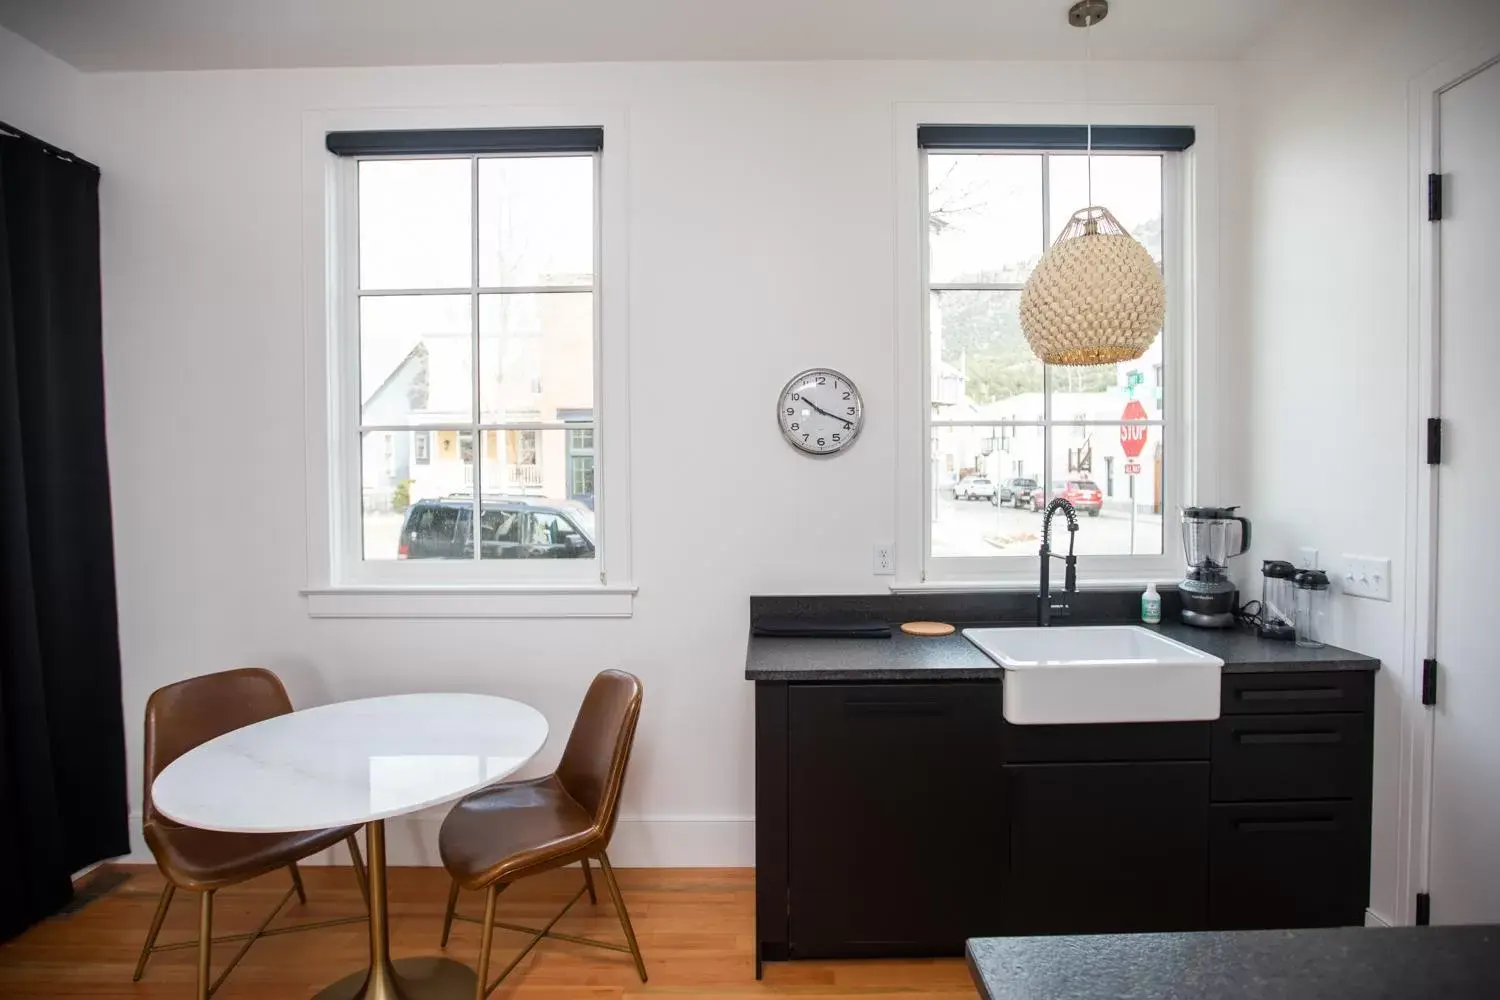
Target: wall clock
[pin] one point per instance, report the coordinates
(820, 411)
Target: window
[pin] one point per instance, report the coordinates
(465, 311)
(990, 408)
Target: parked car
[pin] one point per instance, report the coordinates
(1083, 494)
(1015, 492)
(509, 528)
(973, 488)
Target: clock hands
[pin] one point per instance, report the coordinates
(842, 420)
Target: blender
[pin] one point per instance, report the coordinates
(1211, 536)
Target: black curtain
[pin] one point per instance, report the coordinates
(63, 800)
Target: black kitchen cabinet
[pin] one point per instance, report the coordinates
(896, 818)
(1289, 830)
(900, 818)
(1288, 864)
(1098, 848)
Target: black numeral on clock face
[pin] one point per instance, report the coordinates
(796, 396)
(820, 380)
(796, 427)
(806, 436)
(792, 409)
(836, 439)
(821, 442)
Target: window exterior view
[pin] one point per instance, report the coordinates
(475, 306)
(1007, 433)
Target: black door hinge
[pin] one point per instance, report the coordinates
(1429, 682)
(1434, 197)
(1424, 909)
(1434, 440)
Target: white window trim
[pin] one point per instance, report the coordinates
(1191, 351)
(339, 588)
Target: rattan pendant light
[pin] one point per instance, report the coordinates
(1096, 297)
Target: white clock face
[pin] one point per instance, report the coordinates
(820, 411)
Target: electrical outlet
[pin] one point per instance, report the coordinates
(1307, 558)
(1366, 576)
(885, 565)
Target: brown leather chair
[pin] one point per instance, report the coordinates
(501, 834)
(178, 718)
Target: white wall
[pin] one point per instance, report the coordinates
(761, 241)
(38, 92)
(1328, 431)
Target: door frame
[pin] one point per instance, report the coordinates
(1419, 595)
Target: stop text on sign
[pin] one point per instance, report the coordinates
(1133, 436)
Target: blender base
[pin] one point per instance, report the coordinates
(1222, 619)
(1277, 631)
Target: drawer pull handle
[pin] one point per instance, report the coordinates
(1267, 738)
(1285, 825)
(1295, 694)
(908, 708)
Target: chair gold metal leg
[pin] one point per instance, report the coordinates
(359, 870)
(483, 971)
(297, 883)
(619, 901)
(205, 941)
(167, 892)
(448, 913)
(588, 880)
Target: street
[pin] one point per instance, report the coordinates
(977, 528)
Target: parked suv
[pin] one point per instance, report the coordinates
(1083, 494)
(974, 488)
(509, 528)
(1015, 492)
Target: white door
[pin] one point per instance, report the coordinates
(1464, 864)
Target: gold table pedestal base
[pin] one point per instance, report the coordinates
(406, 979)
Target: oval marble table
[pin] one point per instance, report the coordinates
(356, 762)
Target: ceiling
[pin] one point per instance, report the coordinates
(250, 34)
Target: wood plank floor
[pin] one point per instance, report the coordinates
(695, 928)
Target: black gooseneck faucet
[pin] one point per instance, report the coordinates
(1044, 607)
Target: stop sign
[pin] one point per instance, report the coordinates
(1133, 436)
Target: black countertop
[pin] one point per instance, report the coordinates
(910, 658)
(1388, 963)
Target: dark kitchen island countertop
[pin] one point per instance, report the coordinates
(1343, 963)
(910, 658)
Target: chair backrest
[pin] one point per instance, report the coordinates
(183, 715)
(593, 763)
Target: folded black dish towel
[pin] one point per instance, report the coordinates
(832, 628)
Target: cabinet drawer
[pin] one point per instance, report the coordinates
(1291, 757)
(1288, 864)
(1285, 693)
(1140, 741)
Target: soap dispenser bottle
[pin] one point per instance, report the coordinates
(1151, 605)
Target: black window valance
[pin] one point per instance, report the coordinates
(467, 141)
(1158, 138)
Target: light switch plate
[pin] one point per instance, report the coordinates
(1366, 576)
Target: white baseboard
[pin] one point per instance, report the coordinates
(639, 842)
(1373, 919)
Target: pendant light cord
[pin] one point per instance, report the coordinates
(1088, 109)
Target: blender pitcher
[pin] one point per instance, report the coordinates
(1211, 536)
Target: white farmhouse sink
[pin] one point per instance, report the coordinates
(1100, 673)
